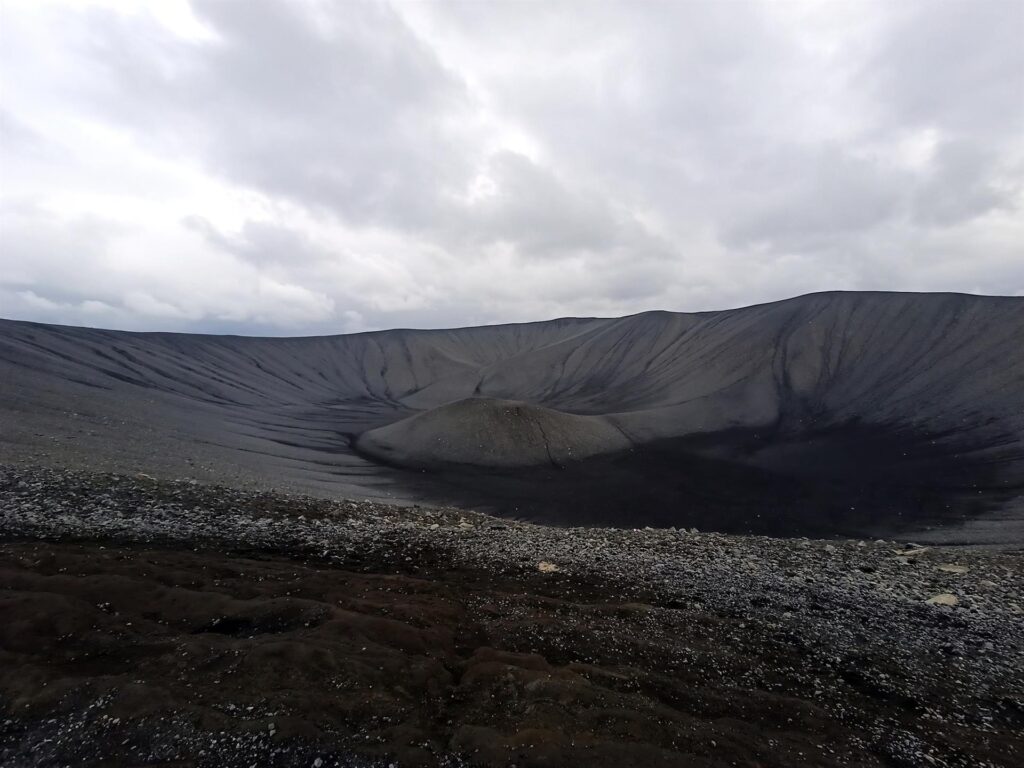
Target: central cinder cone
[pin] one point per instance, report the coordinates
(489, 432)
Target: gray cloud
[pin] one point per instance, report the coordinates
(16, 135)
(349, 113)
(962, 184)
(804, 196)
(956, 65)
(336, 166)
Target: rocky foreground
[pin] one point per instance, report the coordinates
(169, 623)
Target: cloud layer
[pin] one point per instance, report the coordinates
(322, 167)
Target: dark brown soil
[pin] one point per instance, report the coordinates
(413, 667)
(429, 638)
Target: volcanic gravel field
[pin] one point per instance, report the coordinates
(164, 623)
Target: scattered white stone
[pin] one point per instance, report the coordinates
(545, 567)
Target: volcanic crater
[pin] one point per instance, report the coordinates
(829, 414)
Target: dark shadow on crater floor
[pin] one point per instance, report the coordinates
(844, 481)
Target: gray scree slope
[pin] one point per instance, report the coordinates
(856, 393)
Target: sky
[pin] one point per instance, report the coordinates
(301, 167)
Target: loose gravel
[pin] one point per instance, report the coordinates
(936, 632)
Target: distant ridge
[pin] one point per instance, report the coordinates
(897, 391)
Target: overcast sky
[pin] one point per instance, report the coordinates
(289, 167)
